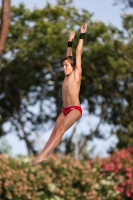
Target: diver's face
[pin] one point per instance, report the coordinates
(68, 69)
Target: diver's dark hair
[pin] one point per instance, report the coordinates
(71, 60)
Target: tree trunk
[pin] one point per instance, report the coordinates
(5, 22)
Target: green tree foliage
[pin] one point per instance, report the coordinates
(110, 77)
(5, 148)
(31, 75)
(125, 111)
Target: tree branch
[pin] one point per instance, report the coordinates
(88, 137)
(5, 22)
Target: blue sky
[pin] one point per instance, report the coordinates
(103, 11)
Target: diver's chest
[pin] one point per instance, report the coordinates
(69, 83)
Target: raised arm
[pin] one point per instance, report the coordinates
(69, 44)
(79, 48)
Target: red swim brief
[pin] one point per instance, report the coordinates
(68, 109)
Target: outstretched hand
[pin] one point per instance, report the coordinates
(83, 28)
(71, 36)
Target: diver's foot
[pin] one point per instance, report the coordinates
(40, 159)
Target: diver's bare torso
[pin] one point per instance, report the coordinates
(70, 90)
